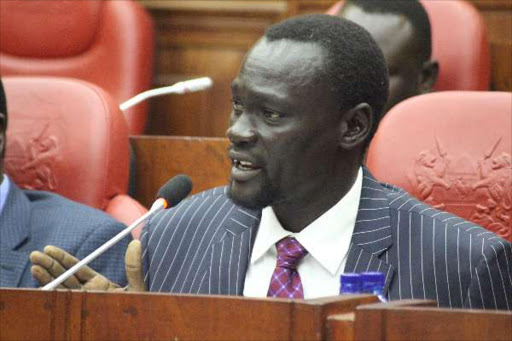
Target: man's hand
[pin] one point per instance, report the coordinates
(133, 267)
(54, 261)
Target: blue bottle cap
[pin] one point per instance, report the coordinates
(350, 277)
(374, 276)
(373, 283)
(350, 283)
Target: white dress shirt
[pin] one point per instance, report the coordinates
(327, 240)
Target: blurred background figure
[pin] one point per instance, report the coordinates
(402, 31)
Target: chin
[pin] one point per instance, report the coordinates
(252, 198)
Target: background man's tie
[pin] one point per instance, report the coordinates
(285, 281)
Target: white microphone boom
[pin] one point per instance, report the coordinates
(192, 85)
(158, 205)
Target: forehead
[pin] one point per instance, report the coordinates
(392, 32)
(283, 63)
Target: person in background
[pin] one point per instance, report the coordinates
(401, 28)
(301, 209)
(29, 220)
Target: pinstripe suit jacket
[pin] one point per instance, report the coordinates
(31, 220)
(204, 244)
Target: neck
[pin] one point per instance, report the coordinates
(296, 215)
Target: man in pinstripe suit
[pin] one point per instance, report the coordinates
(306, 102)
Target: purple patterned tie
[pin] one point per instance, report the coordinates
(285, 281)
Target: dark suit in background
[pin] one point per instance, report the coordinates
(30, 220)
(204, 245)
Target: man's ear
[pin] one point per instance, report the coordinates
(429, 74)
(355, 126)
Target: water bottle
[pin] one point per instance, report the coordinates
(373, 283)
(350, 283)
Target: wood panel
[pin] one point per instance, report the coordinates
(199, 317)
(448, 325)
(310, 316)
(299, 7)
(29, 314)
(159, 158)
(407, 322)
(203, 38)
(498, 18)
(341, 327)
(186, 317)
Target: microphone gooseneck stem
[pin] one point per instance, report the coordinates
(158, 205)
(191, 85)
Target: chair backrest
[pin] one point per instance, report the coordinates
(108, 43)
(459, 44)
(451, 150)
(68, 136)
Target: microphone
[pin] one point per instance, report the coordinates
(173, 192)
(170, 194)
(192, 85)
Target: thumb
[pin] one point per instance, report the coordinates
(133, 266)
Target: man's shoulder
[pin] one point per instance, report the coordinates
(203, 208)
(403, 204)
(217, 194)
(221, 191)
(53, 210)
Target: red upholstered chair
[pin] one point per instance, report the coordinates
(108, 43)
(451, 150)
(68, 136)
(459, 43)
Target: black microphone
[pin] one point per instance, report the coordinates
(170, 194)
(174, 190)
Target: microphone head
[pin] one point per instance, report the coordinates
(197, 84)
(175, 190)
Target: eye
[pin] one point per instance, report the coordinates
(272, 116)
(238, 107)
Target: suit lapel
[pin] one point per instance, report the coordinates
(229, 256)
(14, 232)
(372, 232)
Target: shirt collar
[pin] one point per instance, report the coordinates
(327, 239)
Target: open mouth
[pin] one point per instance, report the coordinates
(243, 170)
(244, 165)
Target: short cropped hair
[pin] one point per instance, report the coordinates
(355, 68)
(414, 13)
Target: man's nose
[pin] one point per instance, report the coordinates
(241, 130)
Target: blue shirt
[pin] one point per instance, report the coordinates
(4, 189)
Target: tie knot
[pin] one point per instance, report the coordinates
(289, 253)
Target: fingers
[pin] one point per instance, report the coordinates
(54, 261)
(67, 261)
(47, 268)
(100, 282)
(133, 265)
(43, 276)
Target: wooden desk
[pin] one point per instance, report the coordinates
(74, 315)
(418, 322)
